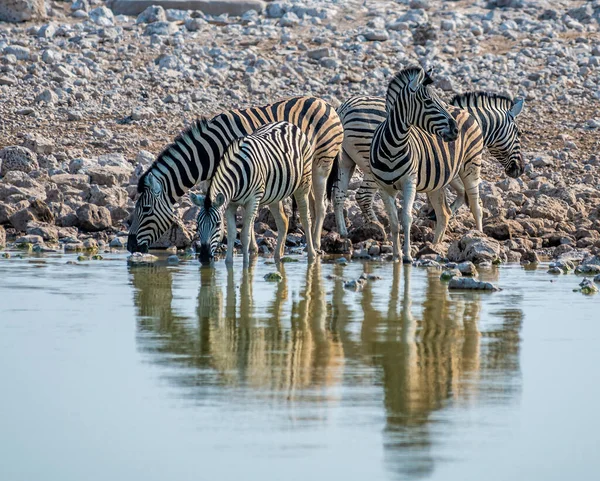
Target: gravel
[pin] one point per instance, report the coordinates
(85, 89)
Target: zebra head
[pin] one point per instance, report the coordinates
(505, 142)
(210, 225)
(410, 97)
(153, 214)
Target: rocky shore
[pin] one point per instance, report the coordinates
(88, 98)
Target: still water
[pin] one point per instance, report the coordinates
(116, 373)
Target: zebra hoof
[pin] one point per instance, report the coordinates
(407, 260)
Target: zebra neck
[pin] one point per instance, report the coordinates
(487, 118)
(395, 140)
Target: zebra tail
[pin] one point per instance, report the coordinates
(334, 176)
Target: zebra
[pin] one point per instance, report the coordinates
(495, 113)
(263, 168)
(421, 146)
(194, 156)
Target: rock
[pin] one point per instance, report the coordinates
(365, 232)
(471, 284)
(273, 277)
(209, 7)
(46, 231)
(586, 286)
(355, 284)
(118, 242)
(555, 270)
(29, 239)
(502, 229)
(102, 16)
(545, 207)
(474, 246)
(332, 243)
(2, 237)
(38, 144)
(342, 261)
(596, 279)
(154, 13)
(92, 218)
(376, 35)
(449, 274)
(161, 28)
(467, 269)
(17, 158)
(109, 176)
(21, 10)
(173, 260)
(587, 269)
(178, 235)
(139, 259)
(47, 96)
(21, 218)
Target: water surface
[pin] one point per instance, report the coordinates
(112, 372)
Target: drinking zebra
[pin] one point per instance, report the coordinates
(263, 168)
(194, 156)
(421, 146)
(496, 115)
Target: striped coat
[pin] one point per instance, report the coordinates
(194, 156)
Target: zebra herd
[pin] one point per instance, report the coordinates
(411, 141)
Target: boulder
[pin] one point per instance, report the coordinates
(474, 246)
(332, 243)
(178, 235)
(21, 10)
(471, 284)
(106, 196)
(545, 207)
(502, 229)
(102, 16)
(46, 231)
(93, 218)
(17, 158)
(6, 210)
(37, 211)
(153, 13)
(38, 144)
(77, 181)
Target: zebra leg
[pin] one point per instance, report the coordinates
(364, 197)
(409, 191)
(471, 181)
(390, 206)
(253, 245)
(340, 191)
(302, 201)
(249, 216)
(458, 186)
(437, 199)
(231, 232)
(319, 188)
(281, 221)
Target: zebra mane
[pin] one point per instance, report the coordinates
(401, 80)
(482, 99)
(199, 125)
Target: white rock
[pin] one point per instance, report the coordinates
(102, 16)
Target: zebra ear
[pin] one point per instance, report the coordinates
(517, 107)
(154, 185)
(219, 200)
(197, 199)
(428, 80)
(414, 84)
